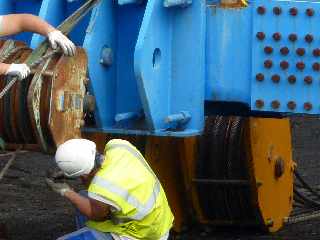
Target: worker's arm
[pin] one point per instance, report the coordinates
(93, 209)
(17, 23)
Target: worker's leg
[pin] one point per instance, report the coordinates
(86, 234)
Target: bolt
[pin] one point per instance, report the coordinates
(284, 51)
(292, 79)
(307, 106)
(260, 35)
(268, 50)
(261, 10)
(277, 10)
(293, 37)
(279, 167)
(268, 64)
(300, 51)
(259, 103)
(308, 38)
(276, 36)
(308, 80)
(284, 65)
(275, 78)
(260, 77)
(291, 105)
(310, 12)
(293, 11)
(316, 67)
(275, 104)
(300, 65)
(316, 52)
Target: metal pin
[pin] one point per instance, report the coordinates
(276, 36)
(300, 51)
(284, 51)
(316, 52)
(310, 12)
(275, 78)
(275, 104)
(308, 38)
(277, 10)
(268, 50)
(261, 10)
(316, 67)
(292, 79)
(293, 37)
(291, 105)
(268, 64)
(284, 65)
(308, 80)
(260, 35)
(259, 103)
(307, 106)
(260, 77)
(293, 11)
(300, 65)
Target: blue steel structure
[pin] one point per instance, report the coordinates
(153, 64)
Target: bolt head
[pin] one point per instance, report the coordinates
(276, 36)
(293, 11)
(261, 10)
(308, 38)
(307, 106)
(260, 35)
(300, 65)
(293, 37)
(260, 77)
(268, 50)
(308, 80)
(309, 12)
(268, 64)
(277, 10)
(300, 51)
(316, 52)
(316, 67)
(284, 51)
(291, 105)
(275, 104)
(275, 78)
(284, 65)
(292, 79)
(259, 103)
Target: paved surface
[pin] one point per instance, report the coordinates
(33, 212)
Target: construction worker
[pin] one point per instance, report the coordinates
(124, 201)
(17, 23)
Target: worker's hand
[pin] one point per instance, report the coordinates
(57, 39)
(60, 188)
(55, 174)
(18, 70)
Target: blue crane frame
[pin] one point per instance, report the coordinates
(153, 64)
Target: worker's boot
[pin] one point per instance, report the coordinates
(3, 232)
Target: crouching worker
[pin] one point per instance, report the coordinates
(124, 201)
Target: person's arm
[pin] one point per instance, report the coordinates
(93, 209)
(17, 23)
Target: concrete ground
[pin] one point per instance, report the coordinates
(33, 212)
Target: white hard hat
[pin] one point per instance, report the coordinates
(76, 157)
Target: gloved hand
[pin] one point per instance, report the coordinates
(18, 70)
(60, 188)
(57, 39)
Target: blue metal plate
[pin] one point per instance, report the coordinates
(286, 82)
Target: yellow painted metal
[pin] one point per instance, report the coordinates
(270, 151)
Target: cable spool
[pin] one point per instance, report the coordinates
(45, 109)
(244, 172)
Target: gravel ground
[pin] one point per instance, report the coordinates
(33, 212)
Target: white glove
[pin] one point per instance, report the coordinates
(56, 38)
(18, 70)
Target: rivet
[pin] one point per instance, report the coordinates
(268, 50)
(291, 105)
(268, 64)
(259, 103)
(292, 79)
(276, 36)
(284, 65)
(308, 80)
(260, 35)
(300, 51)
(275, 78)
(284, 51)
(310, 12)
(261, 10)
(308, 38)
(293, 37)
(293, 11)
(307, 106)
(260, 77)
(316, 52)
(277, 10)
(316, 67)
(275, 104)
(300, 65)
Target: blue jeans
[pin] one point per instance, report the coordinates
(83, 232)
